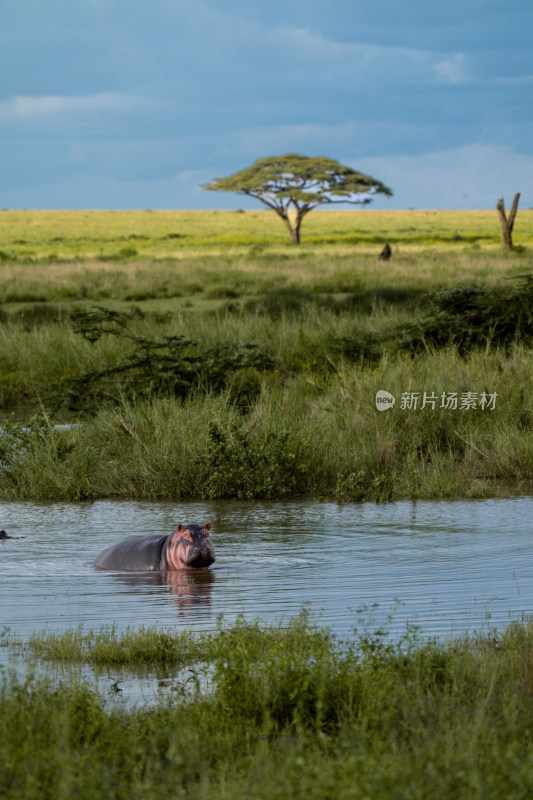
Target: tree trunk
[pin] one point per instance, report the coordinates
(294, 230)
(507, 224)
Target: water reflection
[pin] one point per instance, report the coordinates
(188, 588)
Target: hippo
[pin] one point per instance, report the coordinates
(3, 535)
(189, 547)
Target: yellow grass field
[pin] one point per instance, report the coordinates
(206, 257)
(82, 235)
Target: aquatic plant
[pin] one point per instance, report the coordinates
(359, 487)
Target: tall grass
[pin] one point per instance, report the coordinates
(309, 434)
(36, 357)
(223, 275)
(292, 713)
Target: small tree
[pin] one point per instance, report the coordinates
(292, 185)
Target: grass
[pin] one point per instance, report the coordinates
(315, 434)
(53, 256)
(60, 235)
(143, 646)
(294, 713)
(330, 324)
(208, 281)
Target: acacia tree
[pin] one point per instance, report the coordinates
(292, 185)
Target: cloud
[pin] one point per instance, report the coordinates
(82, 190)
(337, 140)
(371, 62)
(451, 70)
(473, 176)
(117, 96)
(469, 177)
(23, 106)
(514, 80)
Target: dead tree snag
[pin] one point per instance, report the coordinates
(507, 224)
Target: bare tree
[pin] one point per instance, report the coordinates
(507, 224)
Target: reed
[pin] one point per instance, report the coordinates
(142, 646)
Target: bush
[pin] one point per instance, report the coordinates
(173, 366)
(241, 466)
(469, 317)
(360, 487)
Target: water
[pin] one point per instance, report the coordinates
(448, 567)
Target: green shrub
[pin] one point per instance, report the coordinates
(359, 487)
(470, 317)
(173, 366)
(245, 467)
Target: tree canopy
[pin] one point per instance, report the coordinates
(292, 185)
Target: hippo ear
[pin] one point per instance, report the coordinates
(207, 527)
(183, 533)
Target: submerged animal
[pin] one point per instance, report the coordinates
(3, 535)
(189, 547)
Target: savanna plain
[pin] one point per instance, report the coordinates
(201, 355)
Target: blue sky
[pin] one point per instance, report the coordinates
(134, 104)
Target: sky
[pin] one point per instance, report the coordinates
(125, 104)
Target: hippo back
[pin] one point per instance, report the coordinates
(134, 553)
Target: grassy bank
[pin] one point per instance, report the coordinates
(311, 434)
(242, 366)
(292, 713)
(270, 403)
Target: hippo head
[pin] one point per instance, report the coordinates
(189, 546)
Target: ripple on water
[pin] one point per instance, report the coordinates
(448, 566)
